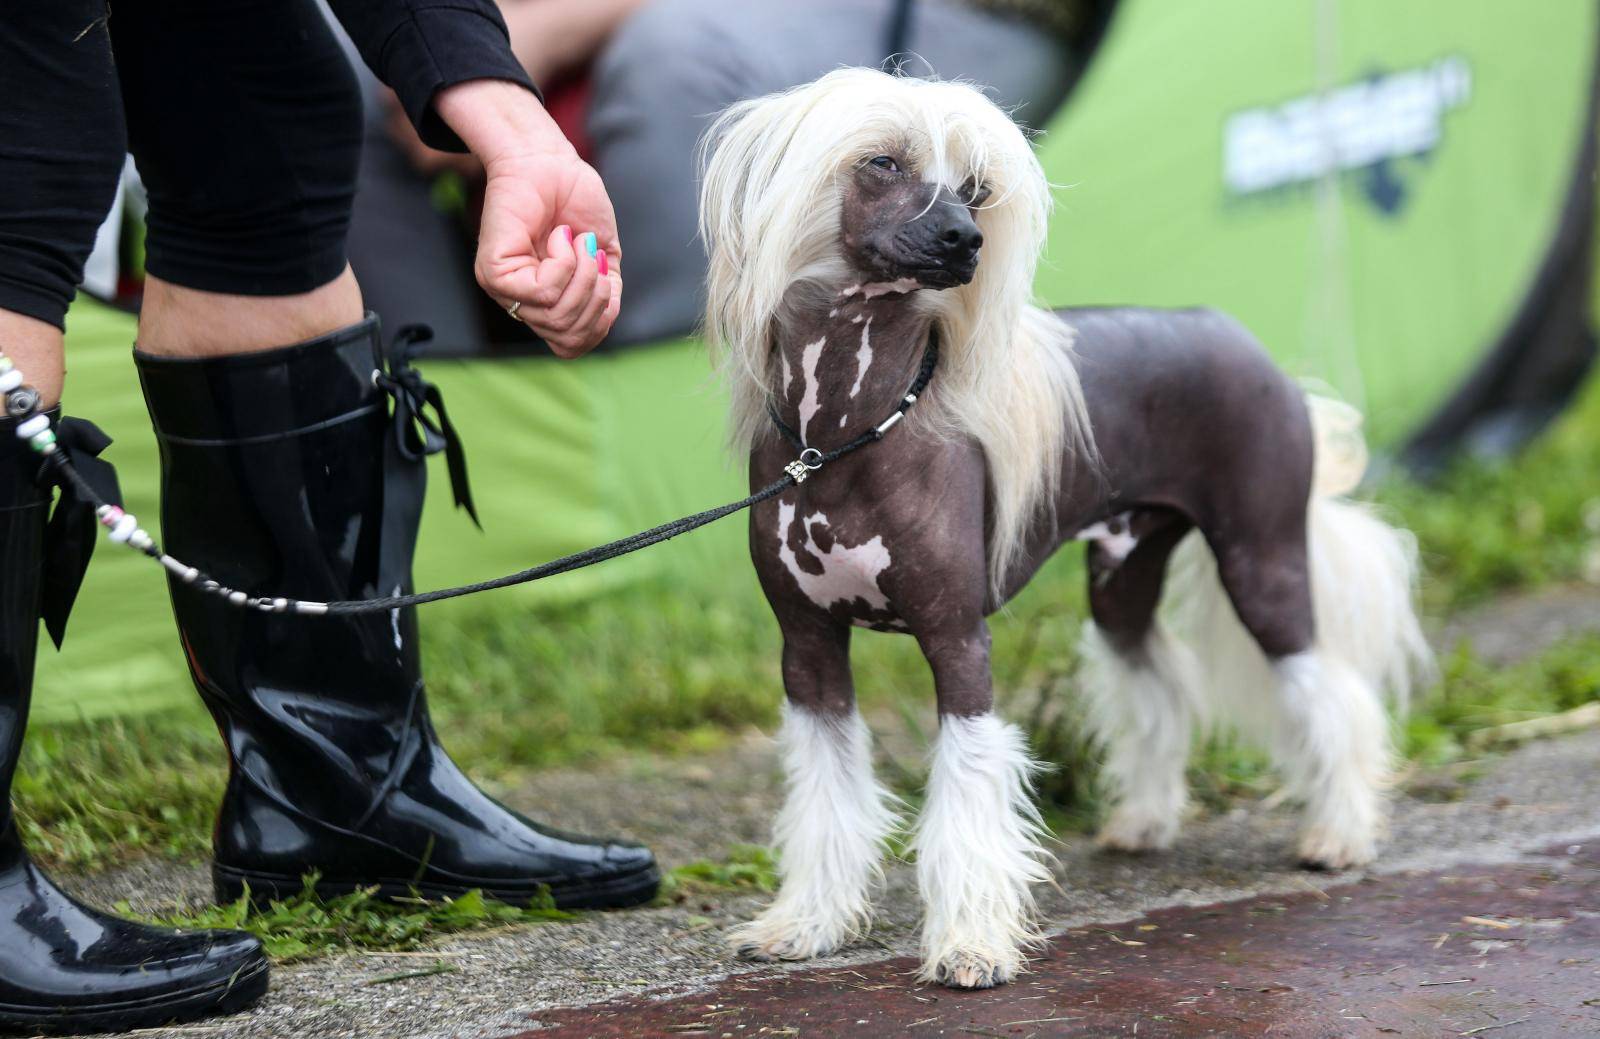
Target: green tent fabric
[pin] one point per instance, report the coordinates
(1193, 168)
(1370, 186)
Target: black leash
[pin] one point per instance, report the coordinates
(795, 472)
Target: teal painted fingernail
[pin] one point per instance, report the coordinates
(591, 245)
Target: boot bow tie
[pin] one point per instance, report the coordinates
(70, 534)
(416, 433)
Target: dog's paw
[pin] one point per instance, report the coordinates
(962, 969)
(1133, 832)
(1325, 849)
(764, 940)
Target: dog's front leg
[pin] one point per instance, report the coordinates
(831, 830)
(978, 841)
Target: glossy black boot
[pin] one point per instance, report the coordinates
(63, 966)
(292, 472)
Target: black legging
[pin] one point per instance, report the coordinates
(244, 119)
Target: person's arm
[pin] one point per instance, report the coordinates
(419, 47)
(538, 195)
(552, 37)
(451, 66)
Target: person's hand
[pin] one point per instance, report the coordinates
(537, 212)
(540, 201)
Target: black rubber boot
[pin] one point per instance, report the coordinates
(63, 966)
(289, 473)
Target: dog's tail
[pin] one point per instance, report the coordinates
(1363, 578)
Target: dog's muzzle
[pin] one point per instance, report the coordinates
(950, 238)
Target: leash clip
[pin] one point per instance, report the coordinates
(810, 461)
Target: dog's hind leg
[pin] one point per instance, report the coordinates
(1329, 733)
(830, 832)
(978, 840)
(1143, 690)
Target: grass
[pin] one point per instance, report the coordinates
(748, 868)
(307, 926)
(675, 665)
(1488, 528)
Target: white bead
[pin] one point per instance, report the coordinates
(10, 381)
(141, 539)
(124, 528)
(237, 598)
(37, 424)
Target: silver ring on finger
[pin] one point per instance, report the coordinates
(511, 311)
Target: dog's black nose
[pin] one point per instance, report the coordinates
(962, 237)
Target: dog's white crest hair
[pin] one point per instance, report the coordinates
(775, 168)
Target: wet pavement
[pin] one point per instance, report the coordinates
(1509, 951)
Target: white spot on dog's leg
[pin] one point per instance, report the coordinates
(829, 835)
(788, 374)
(1115, 536)
(1333, 747)
(978, 854)
(863, 357)
(1143, 705)
(847, 574)
(809, 356)
(843, 419)
(856, 320)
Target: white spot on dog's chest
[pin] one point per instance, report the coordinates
(848, 573)
(863, 357)
(1115, 536)
(874, 289)
(809, 356)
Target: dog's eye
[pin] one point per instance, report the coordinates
(885, 162)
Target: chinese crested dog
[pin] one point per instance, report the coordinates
(850, 220)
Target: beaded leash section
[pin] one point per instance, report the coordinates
(22, 403)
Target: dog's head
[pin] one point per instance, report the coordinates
(898, 222)
(867, 176)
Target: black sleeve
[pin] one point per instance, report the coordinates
(419, 47)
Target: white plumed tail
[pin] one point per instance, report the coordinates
(1363, 583)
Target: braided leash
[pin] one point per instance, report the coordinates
(22, 403)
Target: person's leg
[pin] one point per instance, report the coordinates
(283, 473)
(677, 63)
(35, 347)
(64, 966)
(242, 119)
(176, 321)
(61, 146)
